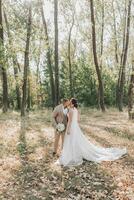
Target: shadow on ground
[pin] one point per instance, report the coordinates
(41, 179)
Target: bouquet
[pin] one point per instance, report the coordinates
(60, 127)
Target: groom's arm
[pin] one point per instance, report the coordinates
(78, 117)
(54, 115)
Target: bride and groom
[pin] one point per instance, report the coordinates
(75, 145)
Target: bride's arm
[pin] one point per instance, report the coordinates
(78, 117)
(70, 114)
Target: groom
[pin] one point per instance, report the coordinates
(60, 116)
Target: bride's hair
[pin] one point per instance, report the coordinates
(74, 102)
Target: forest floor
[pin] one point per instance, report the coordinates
(28, 170)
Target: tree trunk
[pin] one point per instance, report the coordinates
(101, 47)
(38, 82)
(116, 51)
(3, 64)
(49, 62)
(102, 32)
(38, 79)
(124, 32)
(69, 60)
(116, 43)
(28, 91)
(56, 58)
(121, 80)
(118, 99)
(26, 62)
(15, 64)
(98, 71)
(131, 95)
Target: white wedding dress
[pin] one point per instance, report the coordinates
(77, 147)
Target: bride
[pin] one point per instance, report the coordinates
(77, 147)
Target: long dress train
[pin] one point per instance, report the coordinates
(77, 147)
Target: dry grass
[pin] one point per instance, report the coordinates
(27, 169)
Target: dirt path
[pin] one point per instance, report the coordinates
(28, 170)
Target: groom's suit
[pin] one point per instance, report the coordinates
(59, 116)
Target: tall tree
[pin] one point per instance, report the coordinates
(115, 36)
(121, 79)
(38, 75)
(102, 31)
(98, 71)
(3, 64)
(29, 97)
(69, 59)
(131, 94)
(15, 63)
(26, 61)
(56, 52)
(49, 62)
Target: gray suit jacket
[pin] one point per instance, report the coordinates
(59, 116)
